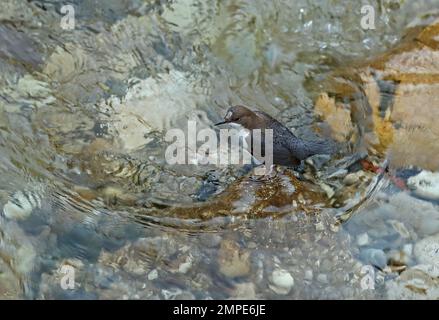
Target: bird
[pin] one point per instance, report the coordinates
(288, 149)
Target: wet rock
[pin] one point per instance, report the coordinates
(425, 185)
(232, 260)
(282, 281)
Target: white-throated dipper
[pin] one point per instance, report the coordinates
(288, 150)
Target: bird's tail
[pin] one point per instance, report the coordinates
(320, 147)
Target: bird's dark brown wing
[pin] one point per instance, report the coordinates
(289, 149)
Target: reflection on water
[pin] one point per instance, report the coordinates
(83, 115)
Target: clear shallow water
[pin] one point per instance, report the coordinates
(83, 114)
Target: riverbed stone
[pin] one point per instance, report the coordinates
(282, 281)
(427, 250)
(425, 184)
(232, 260)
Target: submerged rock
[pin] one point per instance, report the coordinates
(363, 239)
(394, 215)
(244, 291)
(375, 257)
(145, 108)
(232, 260)
(282, 281)
(425, 184)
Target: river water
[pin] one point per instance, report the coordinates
(91, 209)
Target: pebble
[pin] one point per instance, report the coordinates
(351, 178)
(323, 278)
(153, 275)
(363, 239)
(244, 291)
(232, 260)
(185, 266)
(425, 184)
(375, 257)
(427, 250)
(308, 275)
(282, 281)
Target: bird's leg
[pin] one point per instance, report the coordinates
(298, 170)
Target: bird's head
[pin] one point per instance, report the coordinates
(239, 115)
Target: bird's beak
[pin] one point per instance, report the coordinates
(226, 119)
